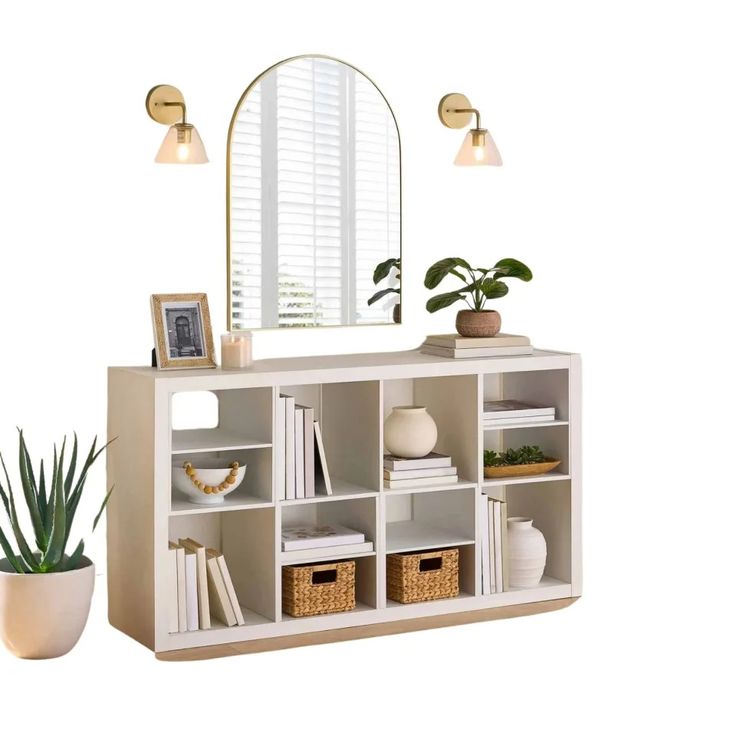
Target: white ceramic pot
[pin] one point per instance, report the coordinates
(527, 552)
(210, 471)
(409, 431)
(43, 615)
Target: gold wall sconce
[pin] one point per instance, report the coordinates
(478, 148)
(182, 144)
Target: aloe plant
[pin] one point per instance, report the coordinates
(52, 505)
(381, 272)
(480, 284)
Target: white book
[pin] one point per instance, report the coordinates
(322, 473)
(497, 545)
(190, 561)
(280, 449)
(457, 341)
(420, 482)
(318, 537)
(203, 597)
(299, 450)
(541, 418)
(491, 546)
(309, 489)
(172, 593)
(433, 460)
(220, 605)
(514, 408)
(290, 448)
(420, 473)
(230, 588)
(485, 553)
(476, 352)
(343, 550)
(181, 587)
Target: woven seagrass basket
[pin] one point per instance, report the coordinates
(423, 576)
(307, 590)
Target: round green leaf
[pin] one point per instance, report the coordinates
(440, 301)
(437, 271)
(380, 294)
(384, 268)
(511, 268)
(493, 289)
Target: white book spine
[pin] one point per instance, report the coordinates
(190, 561)
(299, 450)
(181, 587)
(308, 452)
(485, 554)
(279, 439)
(322, 458)
(230, 588)
(220, 604)
(497, 544)
(491, 545)
(290, 448)
(172, 594)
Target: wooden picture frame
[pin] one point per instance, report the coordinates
(182, 331)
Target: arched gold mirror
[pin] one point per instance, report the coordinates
(313, 200)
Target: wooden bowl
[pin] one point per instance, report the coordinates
(511, 471)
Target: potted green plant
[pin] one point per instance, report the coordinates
(383, 271)
(479, 285)
(526, 460)
(45, 594)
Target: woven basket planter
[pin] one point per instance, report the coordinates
(423, 576)
(307, 590)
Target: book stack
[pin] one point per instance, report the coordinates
(200, 588)
(510, 411)
(456, 346)
(298, 542)
(301, 465)
(431, 470)
(494, 562)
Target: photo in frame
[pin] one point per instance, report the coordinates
(182, 331)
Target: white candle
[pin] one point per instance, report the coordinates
(237, 350)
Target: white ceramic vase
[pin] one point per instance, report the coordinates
(409, 431)
(42, 615)
(527, 551)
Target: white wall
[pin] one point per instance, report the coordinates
(616, 123)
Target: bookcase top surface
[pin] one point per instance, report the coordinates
(356, 367)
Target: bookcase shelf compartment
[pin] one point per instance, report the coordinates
(550, 477)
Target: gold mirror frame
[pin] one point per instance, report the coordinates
(227, 192)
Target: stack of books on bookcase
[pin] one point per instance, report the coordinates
(301, 465)
(298, 542)
(430, 470)
(494, 562)
(456, 346)
(199, 588)
(510, 411)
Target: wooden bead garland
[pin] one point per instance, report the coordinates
(231, 478)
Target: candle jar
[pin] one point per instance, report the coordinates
(236, 350)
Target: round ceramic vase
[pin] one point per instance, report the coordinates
(409, 431)
(527, 552)
(42, 615)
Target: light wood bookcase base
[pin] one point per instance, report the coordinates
(363, 632)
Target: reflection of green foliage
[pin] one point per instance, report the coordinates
(480, 284)
(381, 272)
(297, 289)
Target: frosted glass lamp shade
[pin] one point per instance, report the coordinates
(478, 149)
(182, 145)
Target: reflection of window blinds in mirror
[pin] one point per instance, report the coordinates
(245, 214)
(325, 136)
(377, 197)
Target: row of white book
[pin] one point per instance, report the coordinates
(310, 540)
(200, 588)
(431, 470)
(511, 411)
(456, 346)
(301, 465)
(493, 560)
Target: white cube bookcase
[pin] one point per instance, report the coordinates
(351, 396)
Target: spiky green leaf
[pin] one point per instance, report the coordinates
(57, 539)
(42, 500)
(437, 271)
(23, 547)
(72, 467)
(102, 507)
(9, 553)
(28, 483)
(72, 562)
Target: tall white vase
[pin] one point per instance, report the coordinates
(527, 551)
(409, 431)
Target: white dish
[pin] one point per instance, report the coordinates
(210, 471)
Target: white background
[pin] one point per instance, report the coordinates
(617, 125)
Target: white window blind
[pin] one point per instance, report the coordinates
(315, 197)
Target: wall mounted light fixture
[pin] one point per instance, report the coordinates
(478, 148)
(182, 144)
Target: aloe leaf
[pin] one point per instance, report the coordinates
(25, 551)
(4, 497)
(380, 294)
(102, 507)
(42, 500)
(73, 561)
(440, 301)
(49, 518)
(9, 553)
(72, 467)
(57, 539)
(28, 484)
